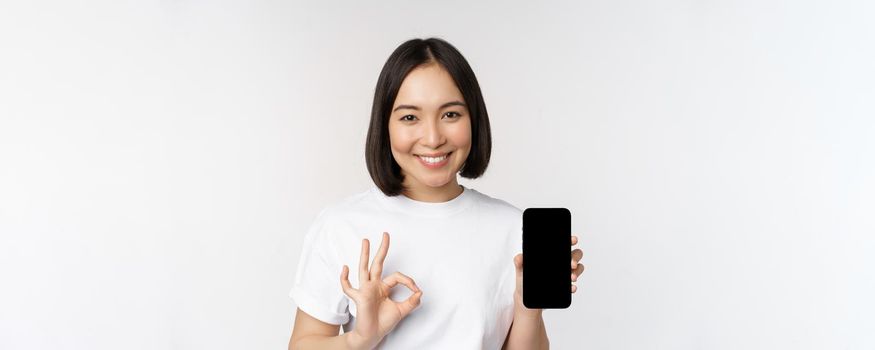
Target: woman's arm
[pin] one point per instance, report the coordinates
(527, 331)
(339, 342)
(311, 333)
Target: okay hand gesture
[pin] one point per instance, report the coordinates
(377, 314)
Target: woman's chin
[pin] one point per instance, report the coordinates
(437, 182)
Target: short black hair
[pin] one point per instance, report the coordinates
(383, 168)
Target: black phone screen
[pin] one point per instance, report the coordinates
(546, 258)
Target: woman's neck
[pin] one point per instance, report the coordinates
(423, 193)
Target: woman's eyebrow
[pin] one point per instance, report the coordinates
(415, 108)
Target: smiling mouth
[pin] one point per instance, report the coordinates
(434, 160)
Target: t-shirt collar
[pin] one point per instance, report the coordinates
(413, 207)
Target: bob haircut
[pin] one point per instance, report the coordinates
(383, 168)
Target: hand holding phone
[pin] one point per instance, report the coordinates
(546, 256)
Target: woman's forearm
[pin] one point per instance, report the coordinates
(527, 331)
(337, 342)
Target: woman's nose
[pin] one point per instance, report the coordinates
(433, 136)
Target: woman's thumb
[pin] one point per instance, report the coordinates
(518, 262)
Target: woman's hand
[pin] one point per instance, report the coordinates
(576, 270)
(377, 315)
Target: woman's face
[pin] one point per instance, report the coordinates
(429, 118)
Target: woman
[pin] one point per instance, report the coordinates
(428, 123)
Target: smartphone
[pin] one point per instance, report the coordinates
(547, 258)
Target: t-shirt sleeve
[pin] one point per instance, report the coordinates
(316, 289)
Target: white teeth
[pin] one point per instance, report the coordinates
(432, 160)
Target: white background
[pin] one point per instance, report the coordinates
(161, 161)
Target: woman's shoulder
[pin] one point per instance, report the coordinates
(498, 205)
(345, 206)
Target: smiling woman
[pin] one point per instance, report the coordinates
(427, 103)
(428, 123)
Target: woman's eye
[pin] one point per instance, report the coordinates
(411, 117)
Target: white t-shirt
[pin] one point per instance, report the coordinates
(460, 254)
